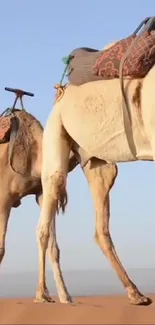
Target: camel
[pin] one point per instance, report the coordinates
(95, 118)
(20, 165)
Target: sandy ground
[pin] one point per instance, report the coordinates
(88, 310)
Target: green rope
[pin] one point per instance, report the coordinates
(66, 60)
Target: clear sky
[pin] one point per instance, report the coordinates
(34, 36)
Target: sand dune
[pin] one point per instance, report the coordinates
(87, 310)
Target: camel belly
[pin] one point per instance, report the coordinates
(93, 116)
(110, 146)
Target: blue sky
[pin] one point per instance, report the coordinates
(35, 35)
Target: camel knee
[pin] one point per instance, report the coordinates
(54, 184)
(43, 235)
(103, 239)
(58, 184)
(54, 253)
(108, 174)
(55, 187)
(101, 174)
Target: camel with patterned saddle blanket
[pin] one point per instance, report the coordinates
(109, 129)
(87, 64)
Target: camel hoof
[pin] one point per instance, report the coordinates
(44, 299)
(66, 300)
(140, 300)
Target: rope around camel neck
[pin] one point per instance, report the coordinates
(59, 87)
(66, 60)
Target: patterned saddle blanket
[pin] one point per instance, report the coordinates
(89, 64)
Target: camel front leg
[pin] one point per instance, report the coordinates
(101, 178)
(42, 294)
(54, 255)
(48, 210)
(54, 251)
(56, 150)
(52, 189)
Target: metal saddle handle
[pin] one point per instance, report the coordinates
(19, 92)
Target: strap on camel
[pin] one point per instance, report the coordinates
(149, 22)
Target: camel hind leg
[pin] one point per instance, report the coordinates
(56, 150)
(101, 178)
(5, 208)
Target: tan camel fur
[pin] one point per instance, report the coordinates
(95, 117)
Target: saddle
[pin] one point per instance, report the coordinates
(89, 64)
(6, 117)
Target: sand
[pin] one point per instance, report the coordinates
(86, 310)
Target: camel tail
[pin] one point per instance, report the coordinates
(62, 202)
